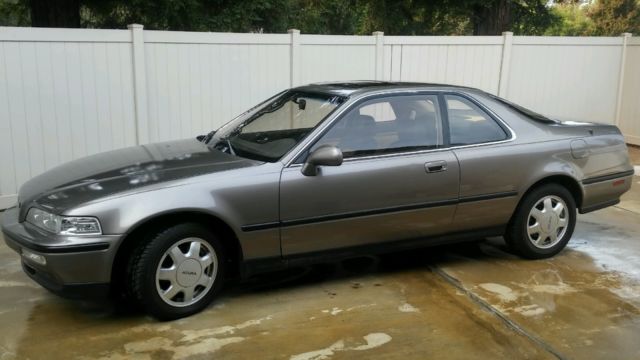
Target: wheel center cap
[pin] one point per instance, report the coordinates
(189, 272)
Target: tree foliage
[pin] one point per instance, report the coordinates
(613, 17)
(394, 17)
(186, 15)
(14, 13)
(416, 17)
(532, 18)
(572, 20)
(598, 18)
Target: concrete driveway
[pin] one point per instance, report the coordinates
(459, 302)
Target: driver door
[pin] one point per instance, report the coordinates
(396, 182)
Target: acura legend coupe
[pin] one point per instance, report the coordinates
(315, 173)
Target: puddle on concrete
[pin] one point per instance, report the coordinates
(373, 340)
(570, 302)
(400, 308)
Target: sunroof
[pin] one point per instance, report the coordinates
(355, 84)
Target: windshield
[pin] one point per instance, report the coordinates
(269, 130)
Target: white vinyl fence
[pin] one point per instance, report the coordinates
(68, 93)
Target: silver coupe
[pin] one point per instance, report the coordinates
(314, 173)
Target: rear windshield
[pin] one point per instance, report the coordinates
(524, 111)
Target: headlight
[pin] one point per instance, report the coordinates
(64, 225)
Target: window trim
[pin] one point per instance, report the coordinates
(306, 144)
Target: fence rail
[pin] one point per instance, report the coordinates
(68, 93)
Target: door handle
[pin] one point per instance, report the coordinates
(435, 166)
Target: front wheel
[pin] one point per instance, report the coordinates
(543, 223)
(177, 272)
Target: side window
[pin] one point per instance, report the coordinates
(468, 124)
(380, 111)
(387, 125)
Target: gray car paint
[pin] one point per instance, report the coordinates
(126, 188)
(124, 171)
(391, 182)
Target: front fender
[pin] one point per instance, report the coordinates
(239, 199)
(121, 215)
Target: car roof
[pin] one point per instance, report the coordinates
(357, 87)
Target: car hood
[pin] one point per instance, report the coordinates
(130, 169)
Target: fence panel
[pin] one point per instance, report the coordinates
(630, 106)
(64, 94)
(195, 88)
(336, 58)
(468, 65)
(567, 77)
(68, 93)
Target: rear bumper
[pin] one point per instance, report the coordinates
(602, 205)
(75, 267)
(603, 191)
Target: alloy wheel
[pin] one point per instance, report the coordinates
(186, 272)
(547, 222)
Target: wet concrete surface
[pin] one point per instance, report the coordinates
(468, 301)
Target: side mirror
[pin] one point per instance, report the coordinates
(205, 138)
(327, 155)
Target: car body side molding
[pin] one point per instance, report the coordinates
(333, 217)
(597, 179)
(258, 266)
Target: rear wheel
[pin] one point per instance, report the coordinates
(543, 223)
(177, 272)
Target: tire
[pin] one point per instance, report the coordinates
(532, 242)
(168, 285)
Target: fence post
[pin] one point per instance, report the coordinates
(294, 59)
(379, 63)
(505, 63)
(625, 40)
(139, 83)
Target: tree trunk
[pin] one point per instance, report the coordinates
(55, 13)
(492, 18)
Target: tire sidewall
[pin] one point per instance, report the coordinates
(156, 248)
(524, 246)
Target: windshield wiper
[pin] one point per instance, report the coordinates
(230, 146)
(224, 144)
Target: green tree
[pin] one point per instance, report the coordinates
(325, 16)
(463, 17)
(572, 20)
(188, 15)
(599, 18)
(14, 13)
(415, 17)
(55, 13)
(613, 17)
(532, 17)
(394, 17)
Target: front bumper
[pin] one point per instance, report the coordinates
(75, 266)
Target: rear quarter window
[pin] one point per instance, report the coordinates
(468, 124)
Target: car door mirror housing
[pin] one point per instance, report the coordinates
(205, 138)
(326, 155)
